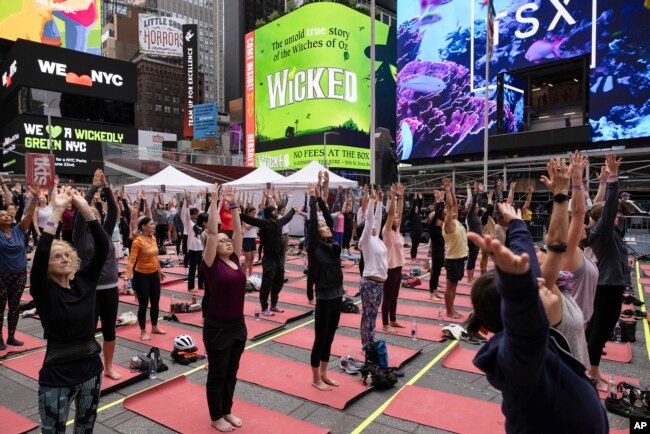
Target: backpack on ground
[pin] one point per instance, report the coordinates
(376, 353)
(375, 376)
(349, 306)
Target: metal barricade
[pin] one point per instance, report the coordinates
(636, 229)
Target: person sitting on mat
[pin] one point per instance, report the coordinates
(224, 329)
(144, 268)
(273, 262)
(394, 243)
(544, 387)
(325, 260)
(65, 299)
(107, 298)
(375, 270)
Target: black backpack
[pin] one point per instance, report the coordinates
(349, 306)
(379, 377)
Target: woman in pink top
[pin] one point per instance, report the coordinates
(394, 244)
(339, 225)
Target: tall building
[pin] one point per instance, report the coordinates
(210, 18)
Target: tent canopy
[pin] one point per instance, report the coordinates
(309, 175)
(173, 179)
(256, 180)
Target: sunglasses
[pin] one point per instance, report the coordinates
(225, 241)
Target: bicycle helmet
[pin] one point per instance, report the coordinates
(184, 343)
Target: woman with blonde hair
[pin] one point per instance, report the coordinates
(65, 299)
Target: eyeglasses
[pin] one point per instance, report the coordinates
(60, 257)
(225, 241)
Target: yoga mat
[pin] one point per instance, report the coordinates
(460, 359)
(30, 344)
(461, 288)
(446, 411)
(292, 274)
(427, 332)
(345, 345)
(618, 352)
(14, 422)
(256, 329)
(180, 287)
(289, 315)
(352, 277)
(31, 364)
(164, 342)
(291, 298)
(428, 312)
(164, 305)
(409, 294)
(189, 413)
(295, 378)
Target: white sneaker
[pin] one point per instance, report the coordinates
(29, 313)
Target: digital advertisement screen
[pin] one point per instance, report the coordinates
(442, 59)
(71, 24)
(619, 100)
(308, 74)
(77, 145)
(511, 95)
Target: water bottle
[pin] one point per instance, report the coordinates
(414, 329)
(617, 332)
(129, 284)
(153, 367)
(611, 387)
(257, 314)
(369, 380)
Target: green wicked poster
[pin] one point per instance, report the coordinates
(312, 75)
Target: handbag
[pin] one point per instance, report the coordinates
(376, 353)
(63, 352)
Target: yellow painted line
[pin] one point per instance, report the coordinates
(412, 381)
(646, 327)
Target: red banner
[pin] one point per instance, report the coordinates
(250, 98)
(39, 170)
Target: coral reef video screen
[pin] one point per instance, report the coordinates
(312, 76)
(442, 59)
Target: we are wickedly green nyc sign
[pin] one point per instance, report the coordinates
(312, 76)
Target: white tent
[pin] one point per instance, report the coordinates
(309, 175)
(256, 180)
(173, 179)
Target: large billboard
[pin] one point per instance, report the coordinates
(442, 59)
(308, 74)
(160, 36)
(39, 66)
(75, 25)
(77, 146)
(205, 120)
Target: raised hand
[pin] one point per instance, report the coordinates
(509, 212)
(215, 191)
(577, 166)
(612, 164)
(78, 201)
(446, 183)
(503, 257)
(229, 194)
(604, 174)
(558, 177)
(326, 176)
(62, 199)
(400, 190)
(311, 189)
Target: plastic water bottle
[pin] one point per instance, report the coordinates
(414, 329)
(617, 332)
(257, 314)
(369, 380)
(611, 387)
(153, 367)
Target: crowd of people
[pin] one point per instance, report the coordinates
(550, 309)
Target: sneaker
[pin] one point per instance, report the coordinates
(14, 342)
(632, 300)
(358, 364)
(276, 309)
(347, 366)
(29, 313)
(267, 312)
(396, 371)
(639, 314)
(469, 339)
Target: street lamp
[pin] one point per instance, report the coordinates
(49, 123)
(325, 146)
(238, 145)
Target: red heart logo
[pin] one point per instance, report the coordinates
(81, 80)
(8, 81)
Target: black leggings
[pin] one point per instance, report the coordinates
(437, 261)
(391, 293)
(184, 247)
(347, 237)
(224, 343)
(106, 302)
(415, 243)
(272, 281)
(196, 256)
(326, 321)
(12, 286)
(161, 234)
(607, 309)
(473, 254)
(147, 287)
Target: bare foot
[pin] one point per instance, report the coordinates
(396, 324)
(234, 420)
(145, 337)
(157, 331)
(601, 385)
(312, 302)
(114, 375)
(320, 385)
(329, 381)
(223, 425)
(388, 329)
(455, 315)
(436, 296)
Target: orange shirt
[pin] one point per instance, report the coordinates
(144, 250)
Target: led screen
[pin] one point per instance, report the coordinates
(442, 58)
(311, 77)
(71, 24)
(511, 95)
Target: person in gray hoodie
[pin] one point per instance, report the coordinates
(107, 298)
(613, 268)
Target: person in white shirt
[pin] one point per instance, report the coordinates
(375, 269)
(249, 243)
(190, 217)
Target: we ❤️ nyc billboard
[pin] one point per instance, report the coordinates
(33, 65)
